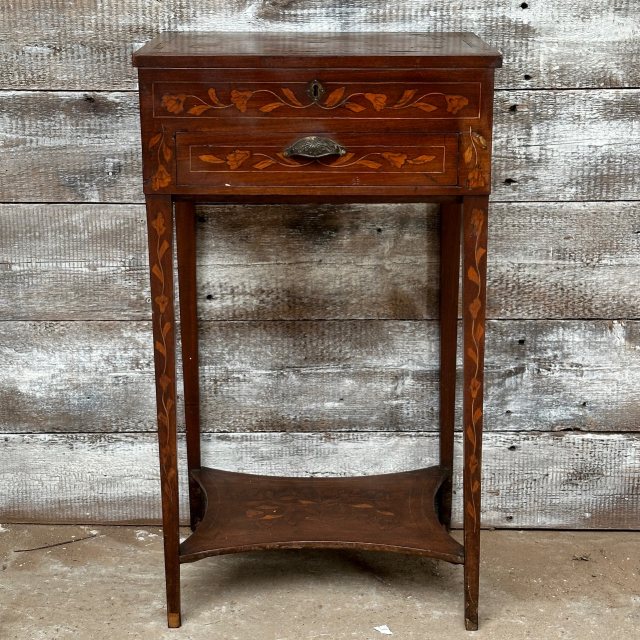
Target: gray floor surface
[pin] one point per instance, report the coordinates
(109, 585)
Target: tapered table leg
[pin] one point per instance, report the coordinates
(450, 221)
(160, 233)
(186, 251)
(473, 313)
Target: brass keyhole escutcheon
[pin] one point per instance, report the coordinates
(315, 90)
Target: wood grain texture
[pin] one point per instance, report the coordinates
(84, 147)
(288, 49)
(382, 512)
(286, 263)
(186, 254)
(70, 147)
(309, 262)
(554, 260)
(573, 143)
(52, 44)
(439, 165)
(320, 376)
(73, 261)
(538, 480)
(474, 302)
(160, 234)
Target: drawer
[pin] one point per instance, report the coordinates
(308, 97)
(221, 161)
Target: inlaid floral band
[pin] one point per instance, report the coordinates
(374, 160)
(475, 353)
(475, 155)
(161, 178)
(243, 100)
(160, 258)
(476, 158)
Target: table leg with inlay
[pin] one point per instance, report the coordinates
(160, 234)
(474, 279)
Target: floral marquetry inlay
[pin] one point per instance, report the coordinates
(268, 100)
(318, 119)
(161, 177)
(373, 160)
(475, 155)
(160, 256)
(372, 507)
(474, 353)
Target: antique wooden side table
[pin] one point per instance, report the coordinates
(318, 117)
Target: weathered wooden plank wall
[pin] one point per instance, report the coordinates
(319, 348)
(56, 44)
(531, 479)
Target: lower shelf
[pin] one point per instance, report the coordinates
(390, 512)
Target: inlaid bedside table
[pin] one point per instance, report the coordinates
(318, 117)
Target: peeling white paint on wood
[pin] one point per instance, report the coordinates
(55, 44)
(553, 265)
(573, 143)
(88, 262)
(530, 480)
(320, 376)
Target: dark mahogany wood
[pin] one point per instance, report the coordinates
(473, 313)
(450, 228)
(220, 160)
(283, 50)
(354, 95)
(391, 512)
(318, 117)
(186, 250)
(160, 234)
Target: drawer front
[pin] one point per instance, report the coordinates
(398, 100)
(219, 162)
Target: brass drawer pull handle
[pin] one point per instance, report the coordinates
(314, 147)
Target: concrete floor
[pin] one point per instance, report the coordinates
(542, 585)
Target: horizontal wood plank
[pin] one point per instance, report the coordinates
(533, 480)
(321, 397)
(546, 260)
(566, 145)
(67, 261)
(548, 145)
(70, 147)
(63, 45)
(319, 376)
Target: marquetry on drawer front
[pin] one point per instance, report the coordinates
(311, 98)
(218, 161)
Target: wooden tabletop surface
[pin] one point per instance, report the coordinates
(293, 49)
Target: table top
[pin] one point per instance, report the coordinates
(332, 49)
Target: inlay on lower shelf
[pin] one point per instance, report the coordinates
(390, 512)
(252, 118)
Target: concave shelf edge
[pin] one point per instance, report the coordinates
(389, 512)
